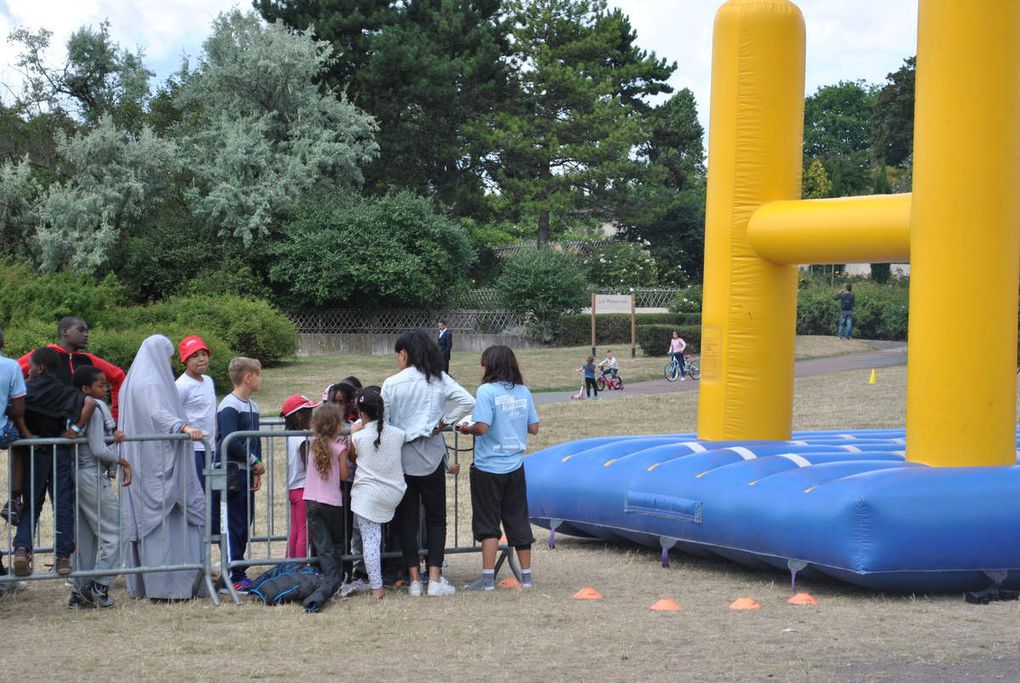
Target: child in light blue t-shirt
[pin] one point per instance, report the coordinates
(504, 415)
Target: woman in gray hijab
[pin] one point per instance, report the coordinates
(165, 506)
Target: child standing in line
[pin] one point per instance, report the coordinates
(297, 416)
(12, 428)
(588, 368)
(198, 394)
(504, 416)
(378, 482)
(325, 501)
(97, 532)
(50, 405)
(243, 459)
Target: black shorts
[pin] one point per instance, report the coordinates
(499, 498)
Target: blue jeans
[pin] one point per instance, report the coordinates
(846, 321)
(59, 481)
(679, 357)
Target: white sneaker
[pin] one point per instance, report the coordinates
(414, 590)
(441, 587)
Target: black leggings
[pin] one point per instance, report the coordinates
(428, 491)
(589, 384)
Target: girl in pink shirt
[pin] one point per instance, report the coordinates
(676, 350)
(327, 469)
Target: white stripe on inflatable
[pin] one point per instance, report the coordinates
(694, 446)
(797, 443)
(744, 453)
(848, 437)
(851, 449)
(797, 460)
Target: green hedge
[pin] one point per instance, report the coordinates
(654, 339)
(31, 305)
(614, 328)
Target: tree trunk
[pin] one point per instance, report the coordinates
(543, 229)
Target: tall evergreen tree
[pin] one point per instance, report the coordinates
(566, 140)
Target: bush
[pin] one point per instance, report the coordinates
(688, 300)
(25, 295)
(248, 327)
(654, 339)
(393, 251)
(545, 283)
(622, 264)
(613, 328)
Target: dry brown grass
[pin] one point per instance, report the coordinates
(850, 635)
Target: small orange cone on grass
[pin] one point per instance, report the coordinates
(587, 593)
(803, 599)
(665, 605)
(745, 603)
(509, 582)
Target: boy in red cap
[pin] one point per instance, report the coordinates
(198, 394)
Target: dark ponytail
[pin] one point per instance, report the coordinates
(370, 403)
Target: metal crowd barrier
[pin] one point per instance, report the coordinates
(267, 540)
(69, 449)
(262, 550)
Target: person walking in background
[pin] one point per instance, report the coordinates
(445, 340)
(846, 311)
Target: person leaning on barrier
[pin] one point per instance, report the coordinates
(12, 426)
(52, 410)
(97, 532)
(164, 516)
(415, 400)
(73, 339)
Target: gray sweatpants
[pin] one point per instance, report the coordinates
(97, 530)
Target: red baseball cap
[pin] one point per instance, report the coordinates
(189, 346)
(295, 403)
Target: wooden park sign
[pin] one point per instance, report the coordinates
(614, 303)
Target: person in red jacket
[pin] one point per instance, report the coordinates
(74, 339)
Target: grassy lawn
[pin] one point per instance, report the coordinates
(544, 369)
(851, 634)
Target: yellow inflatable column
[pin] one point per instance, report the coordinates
(965, 235)
(754, 157)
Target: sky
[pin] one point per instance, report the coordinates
(846, 39)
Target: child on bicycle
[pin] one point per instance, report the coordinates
(609, 366)
(676, 351)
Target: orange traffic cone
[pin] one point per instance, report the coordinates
(509, 582)
(803, 599)
(665, 605)
(745, 603)
(587, 593)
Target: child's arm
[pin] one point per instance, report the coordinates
(87, 409)
(16, 411)
(125, 470)
(97, 440)
(352, 452)
(345, 471)
(475, 429)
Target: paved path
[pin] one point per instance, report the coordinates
(886, 354)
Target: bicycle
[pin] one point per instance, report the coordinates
(606, 380)
(672, 369)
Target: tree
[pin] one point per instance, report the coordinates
(837, 120)
(816, 181)
(566, 138)
(257, 130)
(98, 78)
(546, 284)
(665, 209)
(362, 252)
(892, 123)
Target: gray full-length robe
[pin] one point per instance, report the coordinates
(164, 515)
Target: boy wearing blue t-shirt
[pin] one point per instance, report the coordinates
(504, 415)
